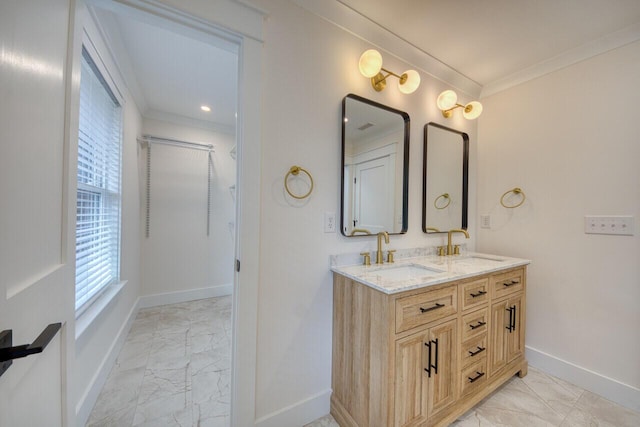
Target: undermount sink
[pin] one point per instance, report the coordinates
(479, 259)
(405, 272)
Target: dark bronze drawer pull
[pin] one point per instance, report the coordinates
(435, 307)
(480, 293)
(480, 323)
(477, 377)
(428, 368)
(478, 351)
(511, 283)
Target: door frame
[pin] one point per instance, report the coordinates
(242, 24)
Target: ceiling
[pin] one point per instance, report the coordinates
(172, 71)
(490, 40)
(481, 46)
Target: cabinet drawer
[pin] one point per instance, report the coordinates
(507, 283)
(473, 350)
(475, 323)
(474, 294)
(426, 307)
(473, 377)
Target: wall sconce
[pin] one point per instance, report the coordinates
(371, 66)
(448, 101)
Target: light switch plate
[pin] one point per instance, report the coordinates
(485, 221)
(621, 225)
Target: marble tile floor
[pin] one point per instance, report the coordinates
(173, 370)
(538, 400)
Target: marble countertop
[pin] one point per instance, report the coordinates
(423, 271)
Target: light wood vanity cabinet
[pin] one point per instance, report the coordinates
(424, 357)
(425, 372)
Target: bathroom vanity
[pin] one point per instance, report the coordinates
(421, 341)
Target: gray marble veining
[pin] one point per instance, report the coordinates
(449, 268)
(173, 370)
(189, 383)
(537, 400)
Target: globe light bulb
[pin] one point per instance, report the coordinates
(370, 63)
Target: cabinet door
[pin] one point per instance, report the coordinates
(507, 332)
(515, 336)
(442, 385)
(497, 338)
(411, 384)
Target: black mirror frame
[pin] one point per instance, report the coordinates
(405, 174)
(465, 177)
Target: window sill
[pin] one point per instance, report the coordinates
(87, 318)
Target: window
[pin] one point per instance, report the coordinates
(98, 205)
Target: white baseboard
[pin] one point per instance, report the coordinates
(147, 301)
(298, 414)
(87, 402)
(620, 393)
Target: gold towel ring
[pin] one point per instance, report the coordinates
(446, 196)
(295, 170)
(514, 191)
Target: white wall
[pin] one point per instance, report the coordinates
(178, 256)
(309, 66)
(570, 141)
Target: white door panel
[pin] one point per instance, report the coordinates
(373, 200)
(36, 282)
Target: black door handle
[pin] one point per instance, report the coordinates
(8, 352)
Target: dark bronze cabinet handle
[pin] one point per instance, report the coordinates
(428, 368)
(512, 318)
(480, 293)
(435, 307)
(476, 326)
(477, 377)
(435, 367)
(511, 283)
(478, 351)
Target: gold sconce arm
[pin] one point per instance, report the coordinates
(448, 101)
(370, 65)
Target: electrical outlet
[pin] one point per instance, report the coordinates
(617, 225)
(485, 221)
(329, 222)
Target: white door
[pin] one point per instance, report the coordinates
(373, 198)
(36, 280)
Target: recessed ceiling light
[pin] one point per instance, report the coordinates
(205, 108)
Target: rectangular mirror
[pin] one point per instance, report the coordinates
(445, 184)
(375, 166)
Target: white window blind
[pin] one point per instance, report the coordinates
(98, 205)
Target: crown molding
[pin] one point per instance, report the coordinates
(367, 30)
(596, 47)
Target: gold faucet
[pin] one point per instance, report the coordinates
(449, 233)
(379, 258)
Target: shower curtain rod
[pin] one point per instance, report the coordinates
(176, 143)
